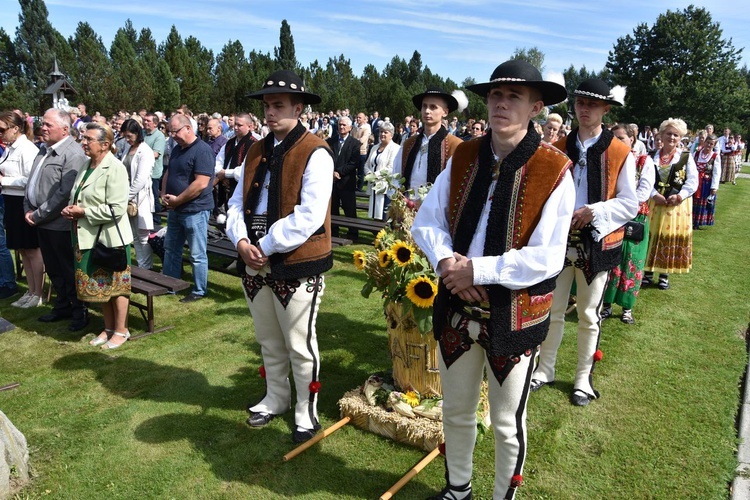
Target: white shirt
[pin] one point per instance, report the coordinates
(715, 169)
(419, 171)
(288, 233)
(611, 214)
(691, 181)
(541, 258)
(15, 165)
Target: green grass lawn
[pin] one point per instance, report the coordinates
(163, 417)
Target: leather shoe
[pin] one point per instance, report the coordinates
(259, 419)
(305, 435)
(538, 384)
(53, 316)
(193, 297)
(79, 324)
(580, 398)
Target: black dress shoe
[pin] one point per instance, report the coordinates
(79, 324)
(193, 297)
(606, 312)
(6, 292)
(305, 435)
(259, 419)
(538, 384)
(53, 316)
(580, 398)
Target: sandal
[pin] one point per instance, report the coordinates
(110, 345)
(663, 282)
(627, 316)
(98, 340)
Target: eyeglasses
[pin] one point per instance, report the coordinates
(477, 128)
(174, 132)
(89, 139)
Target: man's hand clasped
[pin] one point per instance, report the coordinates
(251, 255)
(457, 273)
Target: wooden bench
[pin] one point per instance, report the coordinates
(152, 284)
(371, 225)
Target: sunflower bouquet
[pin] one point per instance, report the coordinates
(397, 268)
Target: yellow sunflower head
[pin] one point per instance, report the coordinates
(411, 398)
(402, 253)
(384, 258)
(421, 291)
(359, 259)
(379, 237)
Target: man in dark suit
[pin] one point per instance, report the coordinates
(47, 192)
(346, 159)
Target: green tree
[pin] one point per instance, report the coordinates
(166, 89)
(231, 78)
(533, 56)
(680, 67)
(93, 73)
(176, 57)
(132, 82)
(37, 44)
(284, 53)
(477, 108)
(199, 75)
(260, 66)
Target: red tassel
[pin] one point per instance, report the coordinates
(598, 355)
(516, 481)
(314, 386)
(441, 447)
(262, 371)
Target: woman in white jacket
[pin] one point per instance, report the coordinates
(380, 160)
(138, 158)
(15, 167)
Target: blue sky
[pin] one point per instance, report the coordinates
(456, 38)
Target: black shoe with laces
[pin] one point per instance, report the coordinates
(453, 493)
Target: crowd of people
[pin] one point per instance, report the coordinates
(589, 214)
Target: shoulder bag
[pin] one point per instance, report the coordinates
(113, 259)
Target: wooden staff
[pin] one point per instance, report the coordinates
(9, 386)
(410, 475)
(324, 433)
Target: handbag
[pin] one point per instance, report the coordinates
(114, 258)
(132, 209)
(634, 231)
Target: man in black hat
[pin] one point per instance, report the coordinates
(604, 175)
(279, 219)
(424, 155)
(494, 226)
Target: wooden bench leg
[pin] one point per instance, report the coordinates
(150, 312)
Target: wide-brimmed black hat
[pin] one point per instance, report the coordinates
(437, 92)
(519, 72)
(285, 82)
(594, 88)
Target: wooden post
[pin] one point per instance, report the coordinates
(322, 434)
(9, 386)
(410, 475)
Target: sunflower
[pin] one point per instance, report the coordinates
(421, 291)
(402, 253)
(359, 259)
(384, 258)
(411, 398)
(379, 237)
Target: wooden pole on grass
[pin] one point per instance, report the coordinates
(9, 386)
(324, 433)
(410, 475)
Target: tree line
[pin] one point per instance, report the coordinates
(680, 66)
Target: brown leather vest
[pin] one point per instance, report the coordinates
(314, 256)
(519, 319)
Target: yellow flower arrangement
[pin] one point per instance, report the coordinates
(397, 268)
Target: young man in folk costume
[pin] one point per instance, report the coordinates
(279, 219)
(424, 155)
(604, 175)
(495, 226)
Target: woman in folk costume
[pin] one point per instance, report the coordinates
(625, 280)
(739, 147)
(670, 245)
(709, 172)
(424, 155)
(727, 148)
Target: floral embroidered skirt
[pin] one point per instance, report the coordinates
(728, 167)
(703, 208)
(624, 282)
(670, 239)
(95, 284)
